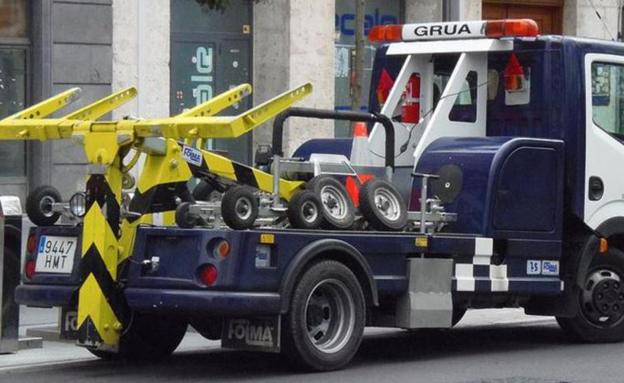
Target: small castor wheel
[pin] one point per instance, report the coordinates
(183, 216)
(305, 210)
(39, 205)
(382, 206)
(338, 209)
(239, 207)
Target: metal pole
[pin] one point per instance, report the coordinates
(9, 311)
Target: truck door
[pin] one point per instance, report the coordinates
(604, 100)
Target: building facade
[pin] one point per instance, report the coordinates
(178, 53)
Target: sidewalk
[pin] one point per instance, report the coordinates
(66, 352)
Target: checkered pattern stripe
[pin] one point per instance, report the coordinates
(480, 274)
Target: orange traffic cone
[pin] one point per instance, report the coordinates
(360, 129)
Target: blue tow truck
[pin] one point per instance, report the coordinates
(502, 171)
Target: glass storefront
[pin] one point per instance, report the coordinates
(12, 100)
(378, 12)
(14, 51)
(211, 53)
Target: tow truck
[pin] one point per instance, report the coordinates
(488, 179)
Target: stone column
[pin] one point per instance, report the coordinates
(419, 11)
(294, 43)
(141, 53)
(580, 18)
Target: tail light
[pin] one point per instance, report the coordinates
(31, 251)
(29, 269)
(221, 249)
(31, 244)
(208, 274)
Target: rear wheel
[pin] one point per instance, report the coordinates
(600, 316)
(325, 323)
(149, 337)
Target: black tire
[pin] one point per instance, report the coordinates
(38, 205)
(203, 191)
(239, 207)
(209, 328)
(305, 210)
(382, 206)
(600, 316)
(148, 338)
(325, 322)
(183, 218)
(338, 209)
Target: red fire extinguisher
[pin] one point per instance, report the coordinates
(410, 110)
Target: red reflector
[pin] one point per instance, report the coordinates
(381, 33)
(29, 269)
(208, 274)
(511, 28)
(31, 245)
(222, 249)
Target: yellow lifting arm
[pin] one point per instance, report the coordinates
(172, 127)
(47, 107)
(220, 127)
(219, 102)
(105, 105)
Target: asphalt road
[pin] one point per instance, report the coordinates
(501, 354)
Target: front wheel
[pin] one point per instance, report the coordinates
(600, 316)
(325, 323)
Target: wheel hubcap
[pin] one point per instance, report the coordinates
(243, 208)
(330, 316)
(603, 298)
(387, 204)
(309, 212)
(45, 206)
(334, 202)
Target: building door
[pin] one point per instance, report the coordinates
(547, 13)
(211, 53)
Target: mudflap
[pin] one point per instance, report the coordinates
(69, 323)
(252, 334)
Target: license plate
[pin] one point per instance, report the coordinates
(255, 334)
(56, 254)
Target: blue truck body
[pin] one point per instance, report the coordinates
(522, 195)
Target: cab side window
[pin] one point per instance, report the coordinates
(608, 97)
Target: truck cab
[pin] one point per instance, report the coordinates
(505, 149)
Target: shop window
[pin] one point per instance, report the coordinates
(607, 93)
(12, 100)
(13, 18)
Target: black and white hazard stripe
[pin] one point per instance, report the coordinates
(480, 274)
